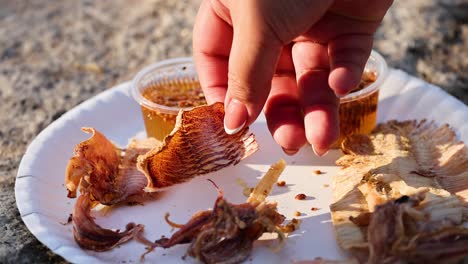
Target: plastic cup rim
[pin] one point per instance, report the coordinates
(148, 69)
(382, 71)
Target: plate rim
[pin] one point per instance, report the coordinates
(21, 199)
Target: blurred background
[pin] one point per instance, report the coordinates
(56, 54)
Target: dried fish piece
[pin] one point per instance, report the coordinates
(400, 159)
(226, 234)
(103, 170)
(200, 143)
(91, 236)
(106, 174)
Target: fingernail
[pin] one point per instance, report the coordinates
(235, 117)
(290, 152)
(320, 152)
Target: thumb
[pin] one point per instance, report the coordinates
(252, 62)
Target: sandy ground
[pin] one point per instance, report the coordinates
(56, 54)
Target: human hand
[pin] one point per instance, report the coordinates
(291, 58)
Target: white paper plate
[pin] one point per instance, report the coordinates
(42, 202)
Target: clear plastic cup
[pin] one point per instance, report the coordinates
(164, 88)
(358, 110)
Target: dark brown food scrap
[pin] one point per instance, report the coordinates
(69, 220)
(300, 196)
(134, 203)
(89, 235)
(281, 183)
(314, 209)
(318, 172)
(225, 234)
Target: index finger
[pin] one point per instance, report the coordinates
(212, 39)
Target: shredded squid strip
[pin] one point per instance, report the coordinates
(91, 236)
(226, 233)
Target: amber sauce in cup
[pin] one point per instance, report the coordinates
(359, 116)
(177, 95)
(162, 90)
(166, 87)
(358, 110)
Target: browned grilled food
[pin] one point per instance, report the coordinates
(402, 194)
(197, 145)
(106, 174)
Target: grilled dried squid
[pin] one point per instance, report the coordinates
(226, 233)
(200, 143)
(106, 174)
(401, 195)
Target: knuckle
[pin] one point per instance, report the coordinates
(243, 90)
